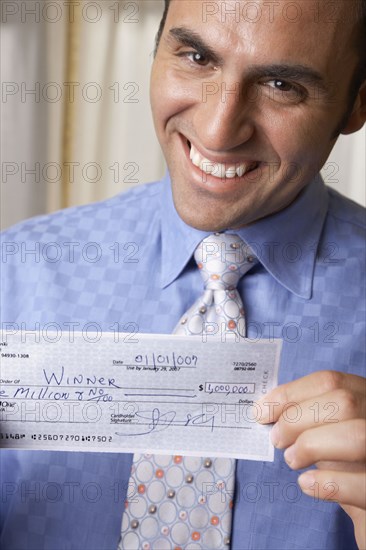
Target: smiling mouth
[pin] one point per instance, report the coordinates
(217, 169)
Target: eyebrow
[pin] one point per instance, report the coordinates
(191, 39)
(297, 72)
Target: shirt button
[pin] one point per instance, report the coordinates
(134, 524)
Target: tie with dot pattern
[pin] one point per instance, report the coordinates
(182, 502)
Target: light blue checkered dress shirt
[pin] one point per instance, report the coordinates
(126, 264)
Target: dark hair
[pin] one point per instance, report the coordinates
(360, 74)
(162, 24)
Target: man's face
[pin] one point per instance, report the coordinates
(253, 92)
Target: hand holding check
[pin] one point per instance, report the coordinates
(320, 420)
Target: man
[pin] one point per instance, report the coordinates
(248, 100)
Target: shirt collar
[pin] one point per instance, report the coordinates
(285, 243)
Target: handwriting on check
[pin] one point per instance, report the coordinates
(61, 386)
(159, 362)
(158, 421)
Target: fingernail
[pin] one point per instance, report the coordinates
(306, 480)
(264, 398)
(290, 454)
(275, 435)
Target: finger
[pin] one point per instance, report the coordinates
(342, 487)
(345, 441)
(341, 466)
(358, 516)
(310, 386)
(355, 513)
(328, 409)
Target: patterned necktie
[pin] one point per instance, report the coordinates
(169, 506)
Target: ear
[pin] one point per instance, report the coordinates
(358, 116)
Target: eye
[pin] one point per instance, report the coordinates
(284, 91)
(197, 58)
(282, 85)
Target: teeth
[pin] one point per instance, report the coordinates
(196, 159)
(230, 172)
(206, 166)
(216, 168)
(219, 170)
(240, 171)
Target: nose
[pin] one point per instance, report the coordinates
(224, 119)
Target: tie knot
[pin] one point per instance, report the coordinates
(223, 259)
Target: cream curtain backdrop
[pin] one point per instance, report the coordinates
(87, 132)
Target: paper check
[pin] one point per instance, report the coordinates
(146, 393)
